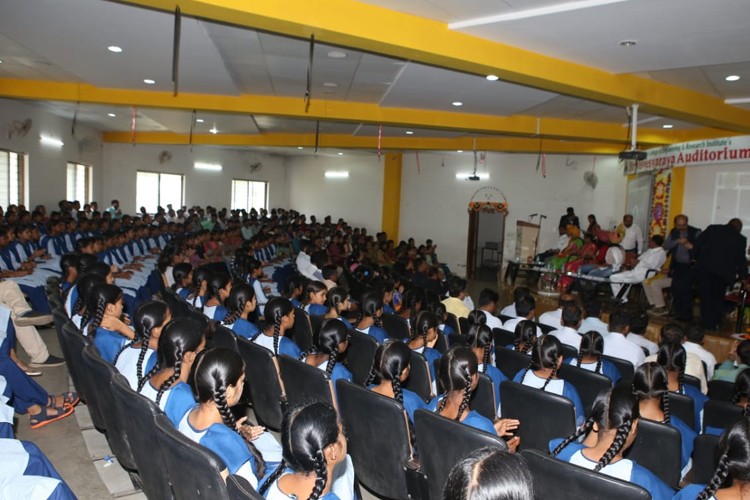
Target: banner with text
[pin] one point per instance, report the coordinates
(709, 151)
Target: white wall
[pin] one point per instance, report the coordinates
(358, 199)
(122, 161)
(47, 164)
(434, 203)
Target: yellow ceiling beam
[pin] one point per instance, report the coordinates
(360, 26)
(505, 144)
(356, 112)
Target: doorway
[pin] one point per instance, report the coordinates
(484, 254)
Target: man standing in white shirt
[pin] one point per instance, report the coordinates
(571, 321)
(616, 343)
(554, 318)
(488, 305)
(653, 258)
(632, 239)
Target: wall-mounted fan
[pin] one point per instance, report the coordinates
(164, 157)
(590, 178)
(19, 128)
(255, 167)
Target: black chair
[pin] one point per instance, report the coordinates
(694, 381)
(483, 399)
(60, 319)
(419, 380)
(657, 436)
(316, 322)
(442, 443)
(224, 337)
(510, 362)
(568, 351)
(721, 390)
(378, 439)
(720, 414)
(176, 304)
(682, 407)
(587, 383)
(85, 388)
(395, 326)
(705, 457)
(543, 415)
(545, 328)
(503, 337)
(464, 325)
(505, 318)
(452, 321)
(301, 332)
(239, 488)
(441, 345)
(560, 480)
(262, 379)
(457, 339)
(303, 382)
(360, 355)
(626, 369)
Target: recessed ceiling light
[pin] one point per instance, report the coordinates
(111, 115)
(1, 61)
(732, 78)
(667, 125)
(337, 54)
(149, 81)
(457, 103)
(492, 78)
(214, 130)
(459, 151)
(628, 43)
(115, 49)
(300, 147)
(409, 132)
(340, 153)
(330, 84)
(199, 120)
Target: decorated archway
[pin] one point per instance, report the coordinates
(487, 209)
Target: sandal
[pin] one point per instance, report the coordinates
(69, 399)
(43, 418)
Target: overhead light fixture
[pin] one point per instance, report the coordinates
(628, 43)
(737, 100)
(300, 147)
(149, 81)
(462, 176)
(331, 85)
(459, 151)
(115, 49)
(1, 61)
(457, 103)
(331, 174)
(732, 78)
(337, 54)
(667, 125)
(340, 153)
(111, 115)
(199, 120)
(51, 141)
(214, 167)
(492, 78)
(214, 130)
(524, 14)
(409, 132)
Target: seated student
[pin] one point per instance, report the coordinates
(614, 422)
(590, 357)
(254, 275)
(672, 357)
(280, 318)
(488, 305)
(694, 345)
(439, 309)
(741, 398)
(87, 265)
(490, 473)
(526, 311)
(219, 376)
(293, 289)
(510, 309)
(593, 310)
(526, 337)
(338, 303)
(240, 305)
(218, 288)
(638, 326)
(166, 383)
(554, 317)
(28, 473)
(737, 360)
(731, 479)
(387, 287)
(314, 299)
(137, 357)
(457, 292)
(423, 337)
(651, 259)
(108, 331)
(199, 286)
(650, 385)
(546, 358)
(672, 333)
(85, 285)
(182, 274)
(479, 338)
(389, 370)
(315, 464)
(458, 375)
(371, 311)
(617, 345)
(69, 272)
(570, 322)
(330, 347)
(411, 305)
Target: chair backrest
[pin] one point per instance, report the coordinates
(543, 415)
(360, 355)
(194, 471)
(626, 369)
(141, 432)
(705, 457)
(463, 323)
(568, 351)
(85, 387)
(395, 326)
(178, 306)
(503, 337)
(303, 382)
(457, 339)
(689, 379)
(316, 322)
(560, 480)
(682, 407)
(224, 337)
(510, 362)
(588, 384)
(301, 332)
(505, 318)
(239, 488)
(657, 436)
(442, 443)
(721, 390)
(263, 380)
(441, 344)
(378, 438)
(60, 319)
(720, 414)
(452, 321)
(419, 380)
(483, 399)
(545, 328)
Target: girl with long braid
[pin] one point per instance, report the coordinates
(458, 375)
(411, 305)
(673, 358)
(330, 347)
(109, 331)
(526, 337)
(218, 380)
(315, 464)
(73, 301)
(241, 303)
(390, 370)
(442, 313)
(371, 310)
(218, 288)
(337, 302)
(84, 286)
(182, 274)
(651, 389)
(546, 359)
(614, 425)
(279, 315)
(591, 357)
(293, 289)
(314, 299)
(137, 357)
(166, 383)
(198, 286)
(479, 338)
(424, 335)
(69, 272)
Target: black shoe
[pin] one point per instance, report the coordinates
(49, 362)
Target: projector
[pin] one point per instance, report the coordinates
(633, 155)
(473, 177)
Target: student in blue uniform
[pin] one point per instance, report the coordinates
(411, 305)
(279, 314)
(85, 285)
(673, 358)
(198, 286)
(315, 463)
(240, 305)
(182, 274)
(371, 311)
(387, 289)
(87, 265)
(338, 303)
(293, 289)
(138, 357)
(424, 336)
(479, 338)
(526, 337)
(69, 272)
(218, 380)
(439, 309)
(166, 383)
(108, 331)
(330, 347)
(590, 357)
(546, 358)
(314, 298)
(218, 288)
(389, 370)
(650, 387)
(490, 473)
(614, 423)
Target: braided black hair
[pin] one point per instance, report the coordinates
(148, 316)
(650, 382)
(592, 344)
(180, 272)
(545, 355)
(100, 297)
(275, 310)
(673, 358)
(480, 336)
(583, 430)
(332, 333)
(336, 297)
(525, 334)
(241, 294)
(425, 322)
(313, 286)
(200, 275)
(180, 336)
(457, 369)
(734, 462)
(623, 431)
(477, 317)
(372, 302)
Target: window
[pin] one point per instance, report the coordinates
(11, 177)
(249, 194)
(78, 182)
(155, 189)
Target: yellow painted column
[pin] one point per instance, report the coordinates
(676, 194)
(392, 195)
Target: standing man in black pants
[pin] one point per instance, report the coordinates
(681, 245)
(720, 258)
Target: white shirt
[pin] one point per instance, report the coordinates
(555, 385)
(633, 235)
(552, 318)
(617, 346)
(568, 336)
(509, 310)
(642, 341)
(704, 355)
(622, 469)
(127, 364)
(653, 258)
(492, 320)
(595, 324)
(615, 257)
(693, 367)
(511, 324)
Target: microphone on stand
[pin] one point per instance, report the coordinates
(532, 215)
(542, 216)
